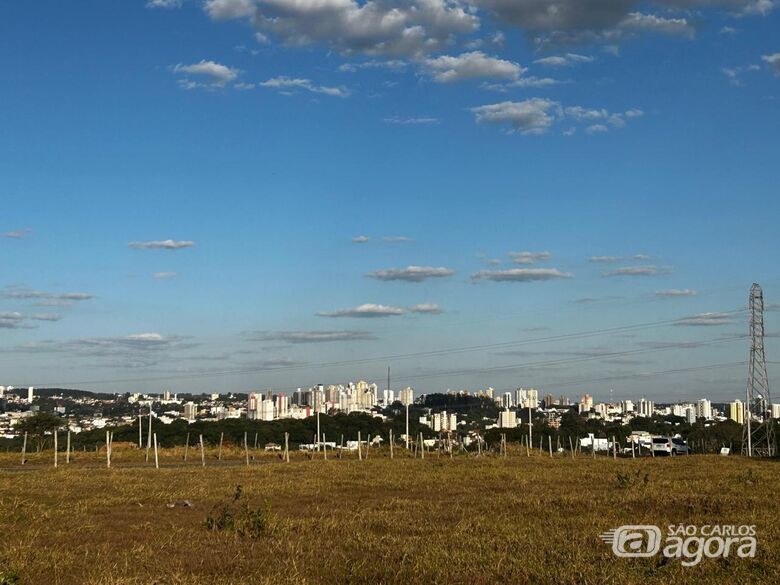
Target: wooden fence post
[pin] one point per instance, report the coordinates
(186, 446)
(246, 449)
(55, 448)
(202, 452)
(156, 460)
(219, 453)
(24, 448)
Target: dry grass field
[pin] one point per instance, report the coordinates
(468, 520)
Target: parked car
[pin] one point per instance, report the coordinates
(670, 446)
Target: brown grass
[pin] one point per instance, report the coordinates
(467, 520)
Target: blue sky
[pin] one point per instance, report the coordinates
(198, 172)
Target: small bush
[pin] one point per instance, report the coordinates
(625, 480)
(239, 518)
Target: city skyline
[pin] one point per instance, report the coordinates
(477, 194)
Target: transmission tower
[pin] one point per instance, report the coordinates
(758, 437)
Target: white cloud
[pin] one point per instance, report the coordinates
(426, 309)
(17, 234)
(45, 298)
(46, 317)
(11, 320)
(473, 65)
(396, 239)
(551, 15)
(228, 9)
(520, 275)
(773, 60)
(605, 259)
(215, 74)
(165, 275)
(596, 129)
(537, 115)
(634, 271)
(370, 27)
(411, 273)
(637, 21)
(138, 350)
(284, 83)
(361, 240)
(567, 60)
(758, 7)
(676, 292)
(169, 4)
(422, 121)
(706, 320)
(367, 310)
(523, 82)
(390, 64)
(162, 245)
(531, 116)
(529, 257)
(297, 337)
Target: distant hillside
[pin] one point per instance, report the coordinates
(71, 393)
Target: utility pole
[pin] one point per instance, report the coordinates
(407, 425)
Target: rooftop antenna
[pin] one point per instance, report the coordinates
(758, 439)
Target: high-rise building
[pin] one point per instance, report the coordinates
(507, 419)
(406, 396)
(253, 405)
(282, 408)
(549, 401)
(646, 408)
(30, 394)
(190, 411)
(737, 411)
(533, 398)
(267, 410)
(507, 402)
(690, 415)
(586, 403)
(626, 406)
(704, 409)
(521, 398)
(776, 411)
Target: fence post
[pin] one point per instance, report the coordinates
(202, 452)
(55, 447)
(156, 460)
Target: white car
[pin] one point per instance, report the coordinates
(670, 446)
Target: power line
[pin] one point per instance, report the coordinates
(545, 363)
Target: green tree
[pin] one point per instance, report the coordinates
(38, 426)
